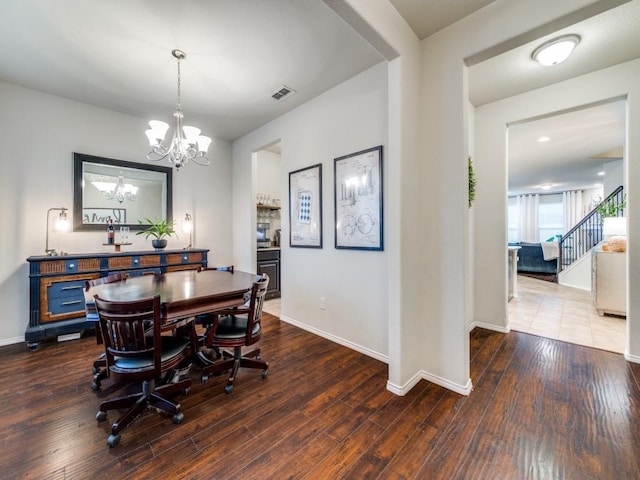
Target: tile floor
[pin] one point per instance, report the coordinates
(272, 306)
(553, 311)
(564, 313)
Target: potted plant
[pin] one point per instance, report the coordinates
(159, 230)
(611, 207)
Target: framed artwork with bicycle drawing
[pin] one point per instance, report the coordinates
(358, 200)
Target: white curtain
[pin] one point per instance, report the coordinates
(573, 209)
(528, 217)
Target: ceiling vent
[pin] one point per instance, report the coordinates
(282, 92)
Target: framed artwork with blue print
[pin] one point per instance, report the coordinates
(305, 207)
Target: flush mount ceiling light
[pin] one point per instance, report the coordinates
(556, 50)
(187, 143)
(543, 139)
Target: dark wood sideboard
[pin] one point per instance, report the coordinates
(56, 285)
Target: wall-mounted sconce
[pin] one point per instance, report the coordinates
(187, 227)
(61, 225)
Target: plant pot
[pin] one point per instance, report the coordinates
(159, 244)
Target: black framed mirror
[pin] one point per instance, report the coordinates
(125, 192)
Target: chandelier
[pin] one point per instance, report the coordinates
(186, 144)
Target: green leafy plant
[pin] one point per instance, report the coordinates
(472, 184)
(611, 207)
(157, 229)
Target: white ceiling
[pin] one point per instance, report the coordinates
(117, 56)
(426, 17)
(566, 161)
(607, 39)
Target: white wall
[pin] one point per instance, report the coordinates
(429, 264)
(346, 119)
(491, 121)
(613, 176)
(38, 135)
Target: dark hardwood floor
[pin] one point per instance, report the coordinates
(540, 409)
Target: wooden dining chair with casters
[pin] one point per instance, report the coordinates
(205, 319)
(234, 329)
(133, 355)
(99, 365)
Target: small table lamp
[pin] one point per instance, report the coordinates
(61, 225)
(614, 231)
(187, 227)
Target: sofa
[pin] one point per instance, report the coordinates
(531, 259)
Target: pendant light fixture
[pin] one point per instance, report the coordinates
(186, 144)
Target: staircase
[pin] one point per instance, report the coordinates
(586, 234)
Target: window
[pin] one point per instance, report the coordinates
(550, 216)
(513, 232)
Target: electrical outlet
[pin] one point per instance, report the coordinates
(323, 303)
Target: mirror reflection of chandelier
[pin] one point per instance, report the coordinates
(186, 144)
(117, 191)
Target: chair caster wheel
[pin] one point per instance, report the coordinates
(258, 357)
(95, 386)
(265, 373)
(113, 440)
(101, 416)
(95, 370)
(228, 389)
(178, 418)
(204, 378)
(185, 391)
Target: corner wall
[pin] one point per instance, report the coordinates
(38, 135)
(346, 119)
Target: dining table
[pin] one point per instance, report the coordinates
(183, 294)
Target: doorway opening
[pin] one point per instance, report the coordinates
(269, 195)
(560, 167)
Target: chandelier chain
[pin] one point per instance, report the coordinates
(178, 95)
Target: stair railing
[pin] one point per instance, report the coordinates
(586, 234)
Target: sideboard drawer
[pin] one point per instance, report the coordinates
(192, 258)
(143, 271)
(62, 297)
(122, 262)
(65, 289)
(59, 306)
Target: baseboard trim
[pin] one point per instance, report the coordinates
(631, 358)
(490, 326)
(346, 343)
(400, 390)
(11, 341)
(422, 375)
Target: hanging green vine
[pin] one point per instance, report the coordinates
(472, 184)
